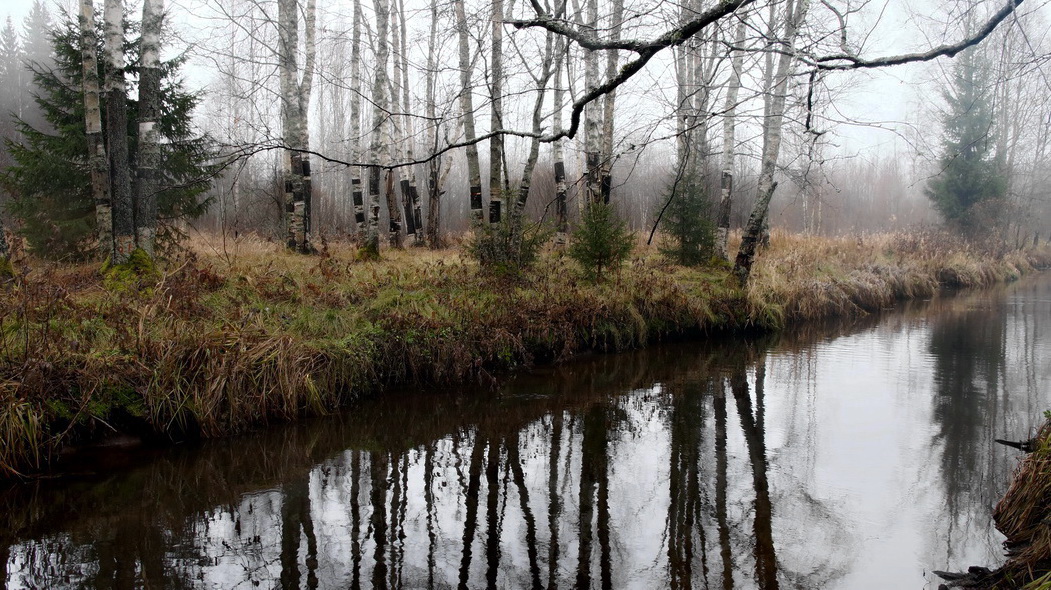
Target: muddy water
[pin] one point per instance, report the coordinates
(841, 456)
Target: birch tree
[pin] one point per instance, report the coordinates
(434, 189)
(496, 120)
(149, 120)
(357, 194)
(474, 170)
(380, 147)
(295, 98)
(97, 162)
(777, 75)
(733, 87)
(117, 134)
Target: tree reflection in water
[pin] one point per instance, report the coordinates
(644, 470)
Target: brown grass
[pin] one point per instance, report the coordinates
(236, 333)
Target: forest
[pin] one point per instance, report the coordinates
(306, 122)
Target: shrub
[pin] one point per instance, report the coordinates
(506, 248)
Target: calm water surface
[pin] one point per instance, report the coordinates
(856, 456)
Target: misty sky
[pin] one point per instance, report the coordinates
(893, 114)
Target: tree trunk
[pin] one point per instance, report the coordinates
(496, 121)
(410, 193)
(380, 146)
(558, 154)
(775, 111)
(357, 195)
(593, 114)
(474, 171)
(117, 134)
(149, 121)
(295, 99)
(606, 180)
(434, 190)
(97, 162)
(733, 88)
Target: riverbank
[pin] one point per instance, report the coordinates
(232, 335)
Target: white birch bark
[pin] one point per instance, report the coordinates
(356, 157)
(474, 171)
(149, 121)
(593, 113)
(434, 190)
(795, 12)
(733, 87)
(496, 120)
(97, 161)
(380, 145)
(612, 59)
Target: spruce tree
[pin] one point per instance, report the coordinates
(50, 180)
(970, 186)
(689, 233)
(602, 241)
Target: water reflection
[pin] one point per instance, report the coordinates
(847, 457)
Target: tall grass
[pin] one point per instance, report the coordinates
(234, 334)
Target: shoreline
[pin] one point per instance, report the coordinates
(227, 339)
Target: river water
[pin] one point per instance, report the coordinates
(854, 455)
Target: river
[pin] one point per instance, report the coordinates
(850, 455)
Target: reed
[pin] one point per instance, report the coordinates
(230, 335)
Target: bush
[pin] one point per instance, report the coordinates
(506, 248)
(601, 242)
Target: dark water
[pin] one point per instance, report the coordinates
(856, 456)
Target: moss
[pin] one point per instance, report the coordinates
(134, 275)
(7, 269)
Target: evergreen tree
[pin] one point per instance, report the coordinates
(50, 180)
(689, 233)
(36, 53)
(970, 188)
(601, 242)
(11, 71)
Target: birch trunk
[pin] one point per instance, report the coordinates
(496, 143)
(397, 134)
(117, 134)
(474, 171)
(609, 103)
(558, 153)
(357, 195)
(380, 146)
(97, 162)
(534, 143)
(149, 121)
(295, 98)
(434, 191)
(592, 142)
(733, 88)
(413, 215)
(795, 12)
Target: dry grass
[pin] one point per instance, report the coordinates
(1023, 515)
(236, 333)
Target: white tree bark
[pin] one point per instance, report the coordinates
(474, 170)
(149, 121)
(733, 87)
(380, 145)
(795, 12)
(97, 161)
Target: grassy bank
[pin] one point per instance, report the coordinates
(233, 334)
(1023, 515)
